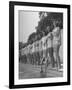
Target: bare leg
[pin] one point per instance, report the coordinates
(52, 56)
(46, 68)
(58, 58)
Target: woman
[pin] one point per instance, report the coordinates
(49, 47)
(56, 45)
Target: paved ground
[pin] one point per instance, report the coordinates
(33, 71)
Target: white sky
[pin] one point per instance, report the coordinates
(28, 20)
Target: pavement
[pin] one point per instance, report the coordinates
(27, 71)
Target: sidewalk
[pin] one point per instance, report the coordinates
(33, 71)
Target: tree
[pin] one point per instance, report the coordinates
(49, 21)
(20, 45)
(43, 24)
(32, 38)
(57, 18)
